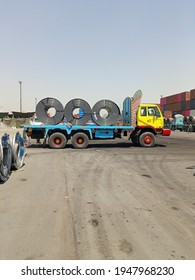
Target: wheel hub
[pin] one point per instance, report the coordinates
(147, 140)
(57, 141)
(80, 140)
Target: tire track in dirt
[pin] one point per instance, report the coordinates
(175, 223)
(83, 190)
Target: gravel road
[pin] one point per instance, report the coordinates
(110, 201)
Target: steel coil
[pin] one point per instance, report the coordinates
(18, 151)
(6, 158)
(192, 119)
(1, 152)
(185, 120)
(42, 111)
(81, 104)
(112, 110)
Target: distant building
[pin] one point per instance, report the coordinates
(4, 115)
(23, 115)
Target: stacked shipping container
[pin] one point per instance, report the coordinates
(180, 103)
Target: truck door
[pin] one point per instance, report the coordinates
(155, 118)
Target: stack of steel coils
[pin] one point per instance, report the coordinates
(68, 113)
(186, 120)
(12, 153)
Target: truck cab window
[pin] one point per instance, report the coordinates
(157, 112)
(143, 111)
(151, 111)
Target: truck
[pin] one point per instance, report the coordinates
(177, 123)
(148, 123)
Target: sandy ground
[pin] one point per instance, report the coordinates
(110, 201)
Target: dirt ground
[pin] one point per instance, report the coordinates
(109, 201)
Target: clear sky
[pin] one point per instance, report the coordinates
(95, 49)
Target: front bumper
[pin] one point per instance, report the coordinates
(166, 132)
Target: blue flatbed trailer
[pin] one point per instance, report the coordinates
(58, 135)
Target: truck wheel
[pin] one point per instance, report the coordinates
(147, 139)
(57, 140)
(135, 137)
(80, 140)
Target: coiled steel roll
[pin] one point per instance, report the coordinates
(6, 158)
(42, 111)
(112, 109)
(75, 104)
(192, 119)
(1, 152)
(185, 120)
(18, 151)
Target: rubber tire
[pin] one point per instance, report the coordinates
(135, 138)
(57, 136)
(82, 145)
(144, 136)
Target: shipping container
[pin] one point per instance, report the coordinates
(192, 104)
(167, 114)
(192, 94)
(186, 113)
(163, 101)
(177, 97)
(192, 112)
(185, 96)
(164, 108)
(183, 105)
(169, 107)
(188, 105)
(170, 99)
(176, 106)
(188, 95)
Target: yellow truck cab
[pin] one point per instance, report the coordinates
(149, 123)
(150, 115)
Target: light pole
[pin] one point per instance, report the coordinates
(35, 103)
(20, 82)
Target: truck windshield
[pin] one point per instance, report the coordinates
(154, 111)
(157, 112)
(151, 111)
